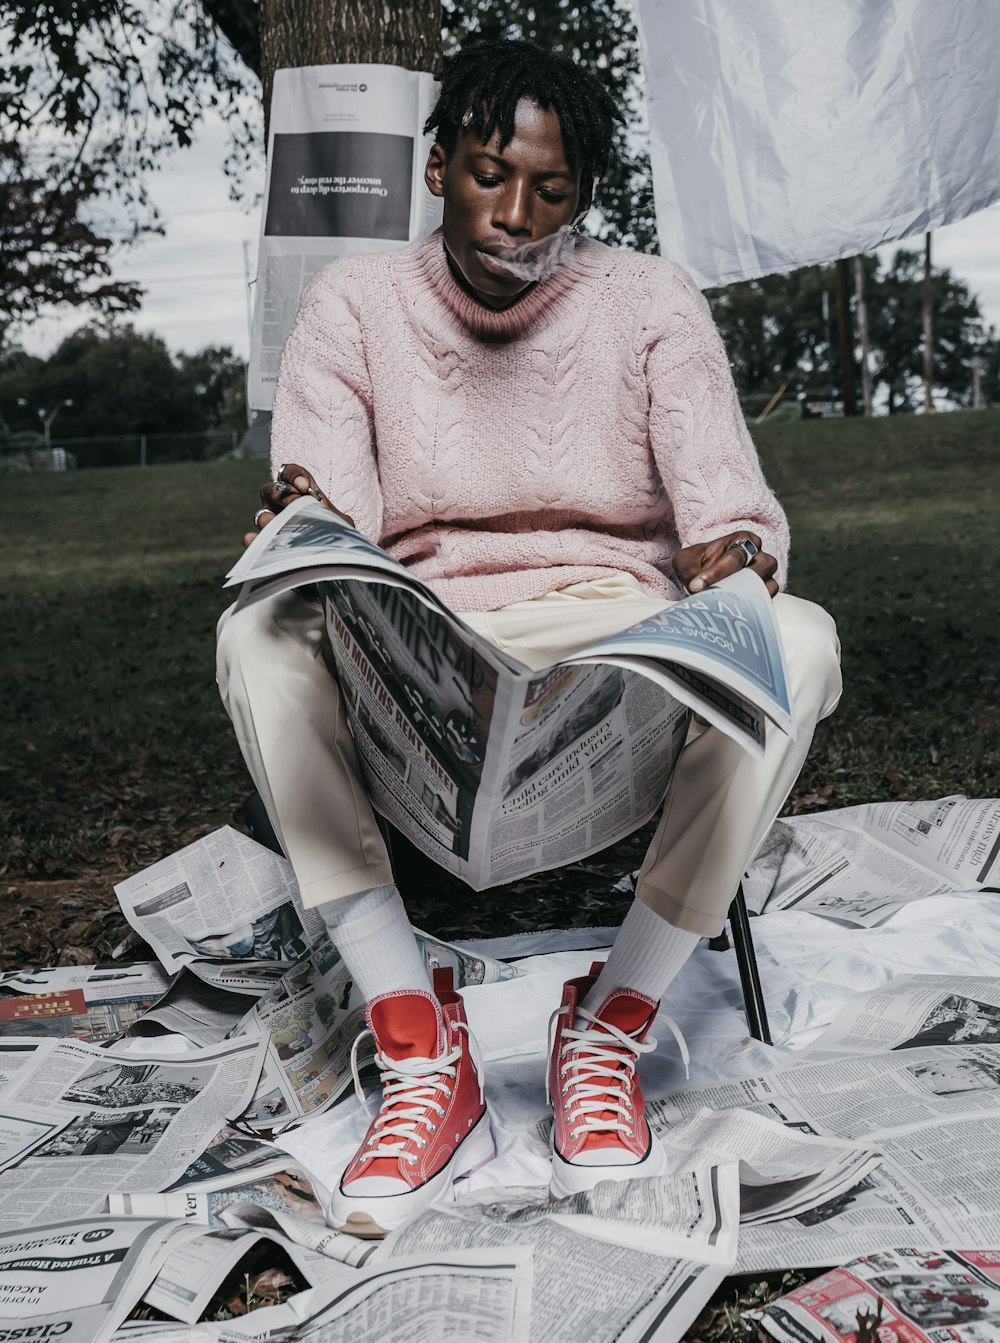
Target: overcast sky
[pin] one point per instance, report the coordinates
(194, 275)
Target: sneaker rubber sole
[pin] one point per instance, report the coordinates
(569, 1179)
(373, 1218)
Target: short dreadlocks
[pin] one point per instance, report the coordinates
(490, 79)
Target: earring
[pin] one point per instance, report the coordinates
(467, 117)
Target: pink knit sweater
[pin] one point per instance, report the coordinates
(593, 426)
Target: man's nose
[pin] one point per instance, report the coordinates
(513, 209)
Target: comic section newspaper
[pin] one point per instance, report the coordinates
(496, 770)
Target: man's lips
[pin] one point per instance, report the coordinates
(492, 264)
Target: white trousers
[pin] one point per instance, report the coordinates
(292, 729)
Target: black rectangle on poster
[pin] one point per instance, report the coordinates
(340, 184)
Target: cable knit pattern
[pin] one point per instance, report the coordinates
(592, 426)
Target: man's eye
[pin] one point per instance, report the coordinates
(487, 181)
(553, 197)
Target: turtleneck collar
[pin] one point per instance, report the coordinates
(427, 264)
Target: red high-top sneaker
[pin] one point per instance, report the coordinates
(599, 1129)
(432, 1126)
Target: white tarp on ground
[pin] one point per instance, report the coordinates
(788, 134)
(809, 968)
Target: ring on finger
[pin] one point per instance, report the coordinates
(748, 548)
(258, 515)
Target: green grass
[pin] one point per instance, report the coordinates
(114, 748)
(895, 531)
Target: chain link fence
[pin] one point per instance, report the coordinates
(26, 453)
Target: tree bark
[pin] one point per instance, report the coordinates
(332, 32)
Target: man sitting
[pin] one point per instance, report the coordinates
(557, 459)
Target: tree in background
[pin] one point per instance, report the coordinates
(50, 252)
(775, 332)
(895, 320)
(151, 392)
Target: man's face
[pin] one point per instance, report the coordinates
(494, 200)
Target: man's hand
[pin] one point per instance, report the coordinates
(292, 482)
(700, 567)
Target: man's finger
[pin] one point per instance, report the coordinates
(729, 562)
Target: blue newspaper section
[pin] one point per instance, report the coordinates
(726, 623)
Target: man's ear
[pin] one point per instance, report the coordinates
(437, 162)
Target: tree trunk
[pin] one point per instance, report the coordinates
(845, 336)
(927, 304)
(332, 32)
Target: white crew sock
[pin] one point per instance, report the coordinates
(646, 956)
(373, 935)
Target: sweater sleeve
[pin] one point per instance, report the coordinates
(322, 416)
(699, 437)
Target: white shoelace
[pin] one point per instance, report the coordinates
(411, 1088)
(596, 1079)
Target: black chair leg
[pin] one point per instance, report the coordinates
(746, 959)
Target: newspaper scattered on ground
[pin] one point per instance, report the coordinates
(913, 1012)
(134, 1123)
(650, 1252)
(862, 864)
(82, 1002)
(76, 1281)
(490, 768)
(917, 1295)
(192, 906)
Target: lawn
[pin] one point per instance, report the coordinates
(114, 749)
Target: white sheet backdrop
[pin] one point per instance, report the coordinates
(789, 132)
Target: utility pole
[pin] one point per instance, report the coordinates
(247, 280)
(845, 340)
(47, 417)
(928, 306)
(862, 307)
(829, 347)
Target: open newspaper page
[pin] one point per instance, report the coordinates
(632, 1261)
(222, 898)
(274, 973)
(345, 176)
(912, 1012)
(76, 1281)
(921, 1295)
(134, 1123)
(932, 1114)
(860, 865)
(478, 1296)
(494, 770)
(82, 1002)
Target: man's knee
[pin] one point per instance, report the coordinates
(812, 650)
(272, 634)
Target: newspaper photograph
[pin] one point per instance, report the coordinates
(232, 1158)
(496, 771)
(76, 1281)
(650, 1251)
(80, 1002)
(917, 1295)
(345, 175)
(914, 1012)
(860, 865)
(134, 1123)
